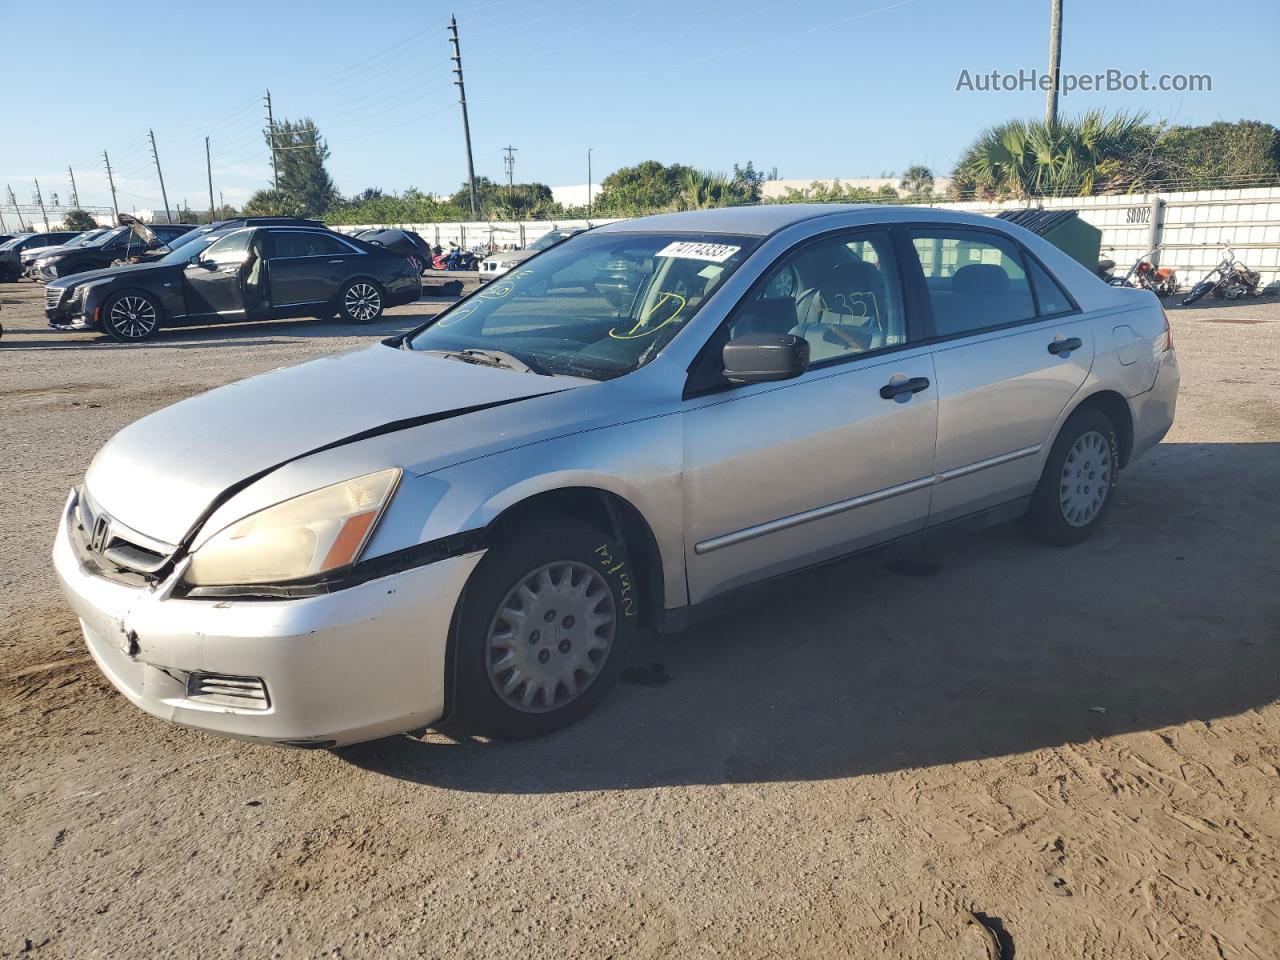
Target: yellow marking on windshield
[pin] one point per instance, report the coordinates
(640, 330)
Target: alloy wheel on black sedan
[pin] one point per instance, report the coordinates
(131, 317)
(361, 301)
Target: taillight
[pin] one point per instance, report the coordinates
(1168, 331)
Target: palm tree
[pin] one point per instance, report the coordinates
(702, 189)
(918, 180)
(1092, 154)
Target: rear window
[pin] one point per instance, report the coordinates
(1049, 293)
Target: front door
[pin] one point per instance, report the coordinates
(215, 283)
(782, 475)
(1013, 352)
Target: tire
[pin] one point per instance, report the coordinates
(361, 301)
(513, 676)
(1079, 481)
(1197, 292)
(131, 317)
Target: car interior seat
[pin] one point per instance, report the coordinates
(842, 314)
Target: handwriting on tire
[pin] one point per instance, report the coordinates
(615, 567)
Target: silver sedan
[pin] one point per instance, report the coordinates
(474, 520)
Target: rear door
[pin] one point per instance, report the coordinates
(1010, 351)
(306, 268)
(782, 475)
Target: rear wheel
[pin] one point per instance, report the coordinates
(131, 317)
(1079, 480)
(360, 301)
(544, 628)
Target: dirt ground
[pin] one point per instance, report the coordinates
(1046, 753)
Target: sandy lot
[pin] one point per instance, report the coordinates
(1058, 754)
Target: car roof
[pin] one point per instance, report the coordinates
(765, 219)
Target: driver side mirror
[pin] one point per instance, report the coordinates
(765, 357)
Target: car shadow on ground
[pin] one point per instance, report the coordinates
(1170, 614)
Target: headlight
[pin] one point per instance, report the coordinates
(315, 533)
(48, 266)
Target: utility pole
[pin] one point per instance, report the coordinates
(221, 203)
(13, 202)
(156, 157)
(208, 166)
(1055, 59)
(509, 164)
(466, 124)
(271, 134)
(40, 200)
(589, 149)
(75, 197)
(111, 180)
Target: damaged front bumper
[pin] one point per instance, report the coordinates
(356, 664)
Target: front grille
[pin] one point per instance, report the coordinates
(100, 535)
(224, 690)
(52, 297)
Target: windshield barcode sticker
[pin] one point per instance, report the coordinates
(715, 252)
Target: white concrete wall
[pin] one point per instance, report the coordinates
(1188, 226)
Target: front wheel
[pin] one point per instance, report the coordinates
(1198, 292)
(1078, 482)
(544, 628)
(131, 317)
(360, 301)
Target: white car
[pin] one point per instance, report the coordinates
(496, 264)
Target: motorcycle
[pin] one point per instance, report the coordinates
(1143, 274)
(1233, 280)
(455, 259)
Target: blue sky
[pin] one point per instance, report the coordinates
(817, 88)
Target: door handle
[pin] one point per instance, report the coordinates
(896, 388)
(1063, 348)
(337, 261)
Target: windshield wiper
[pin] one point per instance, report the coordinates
(488, 358)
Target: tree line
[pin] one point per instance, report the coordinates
(1093, 153)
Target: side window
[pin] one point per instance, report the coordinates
(324, 246)
(1049, 293)
(230, 249)
(975, 280)
(842, 294)
(287, 243)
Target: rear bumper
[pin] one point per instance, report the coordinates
(353, 665)
(1153, 411)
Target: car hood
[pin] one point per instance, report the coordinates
(40, 252)
(162, 474)
(76, 279)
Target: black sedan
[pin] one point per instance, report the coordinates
(127, 242)
(246, 274)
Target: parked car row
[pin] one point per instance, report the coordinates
(255, 268)
(16, 245)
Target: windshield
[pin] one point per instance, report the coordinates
(107, 237)
(547, 240)
(188, 245)
(598, 305)
(81, 240)
(10, 244)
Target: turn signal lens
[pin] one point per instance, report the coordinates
(315, 533)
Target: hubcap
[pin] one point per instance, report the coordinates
(362, 301)
(550, 637)
(133, 317)
(1086, 478)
